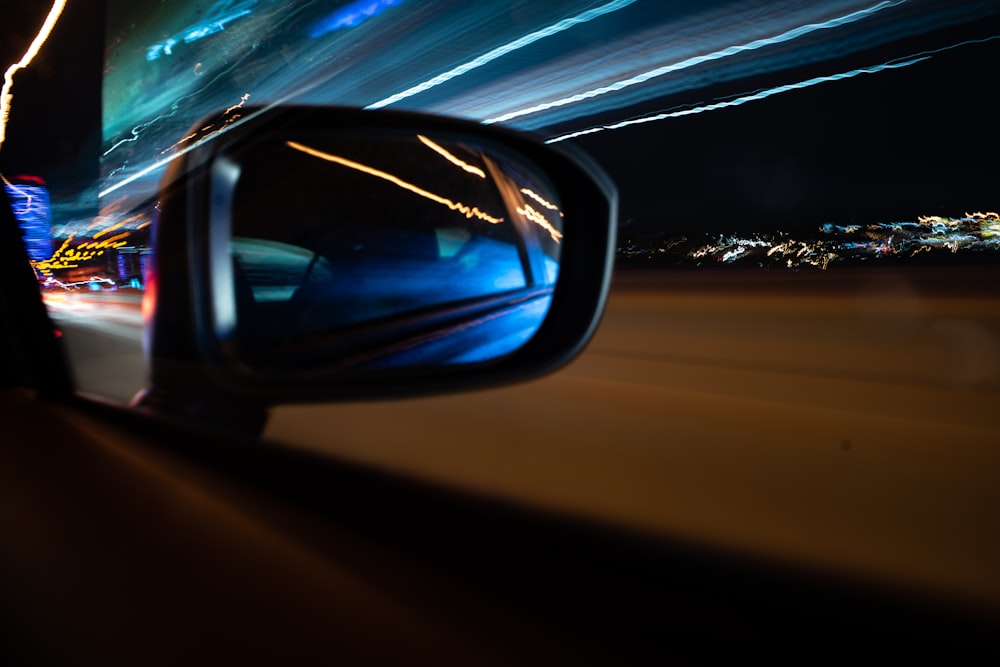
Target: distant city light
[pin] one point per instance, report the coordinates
(978, 232)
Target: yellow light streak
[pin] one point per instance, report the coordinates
(541, 200)
(117, 225)
(458, 162)
(70, 257)
(467, 211)
(534, 216)
(6, 96)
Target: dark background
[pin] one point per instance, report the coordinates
(54, 128)
(876, 148)
(882, 147)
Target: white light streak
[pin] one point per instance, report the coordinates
(693, 61)
(763, 94)
(743, 99)
(164, 162)
(8, 79)
(503, 50)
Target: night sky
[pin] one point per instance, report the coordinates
(884, 147)
(878, 147)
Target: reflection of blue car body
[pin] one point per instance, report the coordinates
(387, 309)
(221, 13)
(490, 335)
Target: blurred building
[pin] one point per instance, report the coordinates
(30, 199)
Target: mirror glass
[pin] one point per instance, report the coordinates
(380, 249)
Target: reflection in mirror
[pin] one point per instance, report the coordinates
(381, 249)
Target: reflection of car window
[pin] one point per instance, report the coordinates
(274, 271)
(376, 274)
(415, 232)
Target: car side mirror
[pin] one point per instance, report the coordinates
(317, 253)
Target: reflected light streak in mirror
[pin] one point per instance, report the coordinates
(541, 200)
(467, 211)
(335, 271)
(450, 157)
(534, 216)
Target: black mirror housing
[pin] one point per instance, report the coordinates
(410, 248)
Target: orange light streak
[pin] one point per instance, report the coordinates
(243, 100)
(67, 257)
(117, 225)
(6, 96)
(468, 212)
(450, 157)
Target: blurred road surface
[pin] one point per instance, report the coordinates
(839, 418)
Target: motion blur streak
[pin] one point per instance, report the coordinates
(468, 212)
(754, 45)
(70, 257)
(8, 78)
(219, 15)
(443, 152)
(352, 15)
(972, 234)
(229, 125)
(541, 200)
(743, 99)
(500, 51)
(763, 94)
(534, 216)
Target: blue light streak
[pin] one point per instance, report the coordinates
(221, 13)
(503, 50)
(352, 15)
(687, 63)
(31, 207)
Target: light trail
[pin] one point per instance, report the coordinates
(70, 257)
(50, 282)
(218, 16)
(29, 198)
(743, 99)
(6, 96)
(467, 211)
(973, 232)
(534, 216)
(137, 130)
(135, 135)
(503, 50)
(541, 200)
(145, 171)
(687, 63)
(238, 105)
(352, 15)
(898, 63)
(447, 155)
